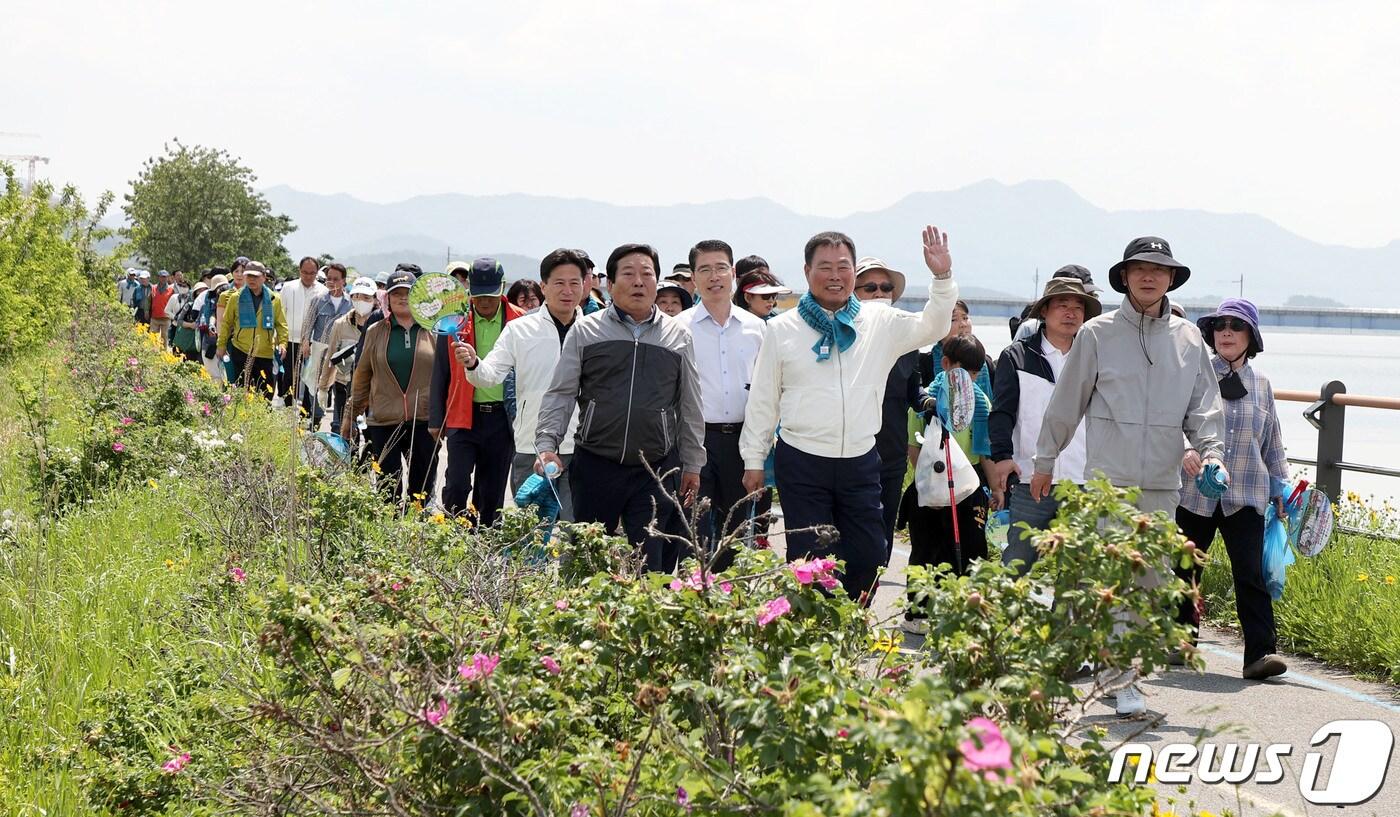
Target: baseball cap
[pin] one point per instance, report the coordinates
(487, 277)
(400, 279)
(364, 285)
(680, 272)
(586, 259)
(144, 275)
(164, 273)
(381, 278)
(254, 268)
(405, 266)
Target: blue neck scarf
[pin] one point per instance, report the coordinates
(840, 331)
(248, 312)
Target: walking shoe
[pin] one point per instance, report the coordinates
(1266, 667)
(914, 626)
(1177, 658)
(1131, 702)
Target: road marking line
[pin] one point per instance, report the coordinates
(1360, 697)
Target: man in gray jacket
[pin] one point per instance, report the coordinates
(631, 371)
(1141, 376)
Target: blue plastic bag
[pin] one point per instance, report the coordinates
(537, 491)
(1277, 554)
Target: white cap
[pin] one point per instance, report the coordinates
(144, 275)
(364, 285)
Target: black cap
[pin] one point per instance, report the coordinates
(1152, 250)
(487, 277)
(399, 279)
(404, 266)
(586, 259)
(1081, 275)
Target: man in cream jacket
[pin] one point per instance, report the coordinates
(821, 376)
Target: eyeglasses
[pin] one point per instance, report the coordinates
(1232, 324)
(771, 296)
(718, 269)
(885, 287)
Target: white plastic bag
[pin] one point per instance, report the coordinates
(931, 472)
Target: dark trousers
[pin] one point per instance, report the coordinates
(722, 482)
(841, 492)
(891, 488)
(1243, 532)
(340, 395)
(614, 494)
(479, 457)
(406, 445)
(931, 539)
(257, 376)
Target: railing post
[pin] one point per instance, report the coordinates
(1330, 434)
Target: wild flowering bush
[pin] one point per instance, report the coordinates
(145, 413)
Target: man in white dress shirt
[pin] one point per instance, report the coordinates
(296, 298)
(726, 340)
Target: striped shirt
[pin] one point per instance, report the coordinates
(1253, 449)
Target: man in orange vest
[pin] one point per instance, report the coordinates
(480, 442)
(160, 301)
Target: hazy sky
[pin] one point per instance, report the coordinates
(1286, 109)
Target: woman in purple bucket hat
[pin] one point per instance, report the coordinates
(1258, 476)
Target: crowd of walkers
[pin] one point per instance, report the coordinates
(638, 393)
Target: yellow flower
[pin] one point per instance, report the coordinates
(154, 485)
(1205, 813)
(1390, 580)
(169, 564)
(1361, 577)
(204, 373)
(438, 519)
(374, 466)
(886, 643)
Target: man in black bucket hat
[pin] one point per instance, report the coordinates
(1139, 378)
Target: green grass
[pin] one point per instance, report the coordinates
(1336, 606)
(87, 606)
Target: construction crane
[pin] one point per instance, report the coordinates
(31, 161)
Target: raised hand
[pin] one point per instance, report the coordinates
(464, 353)
(936, 256)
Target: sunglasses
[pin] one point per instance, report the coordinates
(1232, 324)
(771, 296)
(885, 287)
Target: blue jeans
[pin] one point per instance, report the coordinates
(1019, 543)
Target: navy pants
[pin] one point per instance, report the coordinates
(404, 447)
(722, 482)
(624, 495)
(479, 457)
(841, 492)
(891, 489)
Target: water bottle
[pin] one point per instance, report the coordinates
(998, 524)
(551, 469)
(227, 359)
(360, 422)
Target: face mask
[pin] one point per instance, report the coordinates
(363, 308)
(1232, 388)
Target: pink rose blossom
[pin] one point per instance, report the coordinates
(677, 585)
(204, 409)
(550, 665)
(816, 569)
(138, 389)
(561, 604)
(131, 361)
(118, 447)
(175, 764)
(237, 574)
(436, 713)
(189, 396)
(987, 751)
(579, 810)
(396, 586)
(481, 666)
(226, 399)
(843, 733)
(773, 609)
(695, 581)
(726, 587)
(829, 582)
(683, 798)
(126, 421)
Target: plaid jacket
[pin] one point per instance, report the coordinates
(1253, 449)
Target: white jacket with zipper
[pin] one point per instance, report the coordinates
(530, 346)
(832, 408)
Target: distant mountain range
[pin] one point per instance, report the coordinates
(1000, 235)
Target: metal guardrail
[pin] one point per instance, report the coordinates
(1326, 412)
